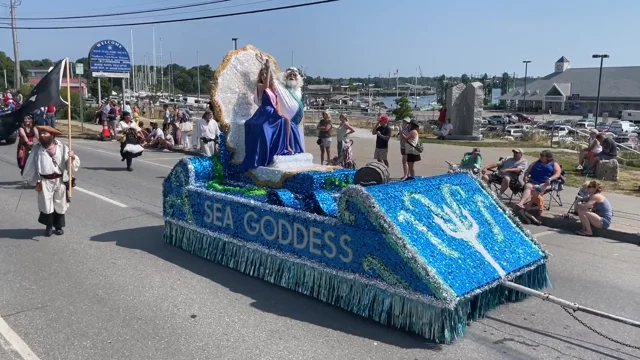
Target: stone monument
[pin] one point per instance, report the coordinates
(464, 108)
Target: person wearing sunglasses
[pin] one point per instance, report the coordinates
(539, 176)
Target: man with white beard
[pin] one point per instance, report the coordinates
(289, 91)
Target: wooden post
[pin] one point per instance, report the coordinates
(70, 165)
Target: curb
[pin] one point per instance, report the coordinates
(572, 225)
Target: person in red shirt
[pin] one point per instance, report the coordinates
(442, 116)
(50, 116)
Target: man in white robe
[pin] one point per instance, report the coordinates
(47, 170)
(289, 90)
(206, 134)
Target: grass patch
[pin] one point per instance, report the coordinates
(76, 130)
(628, 177)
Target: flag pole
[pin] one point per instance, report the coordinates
(70, 166)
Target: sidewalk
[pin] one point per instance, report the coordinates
(626, 220)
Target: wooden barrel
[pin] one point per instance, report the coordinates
(374, 173)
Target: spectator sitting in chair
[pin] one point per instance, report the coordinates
(444, 130)
(593, 149)
(539, 176)
(472, 161)
(609, 150)
(507, 170)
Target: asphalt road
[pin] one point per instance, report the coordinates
(111, 289)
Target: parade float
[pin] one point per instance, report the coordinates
(426, 256)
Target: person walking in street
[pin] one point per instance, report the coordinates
(207, 134)
(324, 137)
(130, 147)
(383, 134)
(46, 169)
(27, 134)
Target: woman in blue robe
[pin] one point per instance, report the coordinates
(267, 133)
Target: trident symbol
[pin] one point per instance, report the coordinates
(460, 226)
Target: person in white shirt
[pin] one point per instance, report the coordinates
(47, 170)
(594, 148)
(127, 107)
(445, 130)
(155, 136)
(206, 134)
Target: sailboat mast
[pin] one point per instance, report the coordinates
(155, 69)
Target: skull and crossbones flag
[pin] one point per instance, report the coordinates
(45, 93)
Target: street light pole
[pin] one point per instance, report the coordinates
(524, 94)
(235, 43)
(601, 57)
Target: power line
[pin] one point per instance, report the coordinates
(135, 17)
(95, 9)
(121, 14)
(172, 20)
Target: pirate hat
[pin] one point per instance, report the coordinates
(49, 129)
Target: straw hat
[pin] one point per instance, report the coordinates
(49, 129)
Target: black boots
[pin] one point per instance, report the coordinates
(49, 231)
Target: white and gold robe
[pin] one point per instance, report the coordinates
(53, 196)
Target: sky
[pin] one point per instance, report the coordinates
(352, 38)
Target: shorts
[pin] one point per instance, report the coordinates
(413, 158)
(495, 178)
(403, 150)
(605, 223)
(604, 156)
(325, 142)
(590, 155)
(381, 154)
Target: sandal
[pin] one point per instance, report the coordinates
(582, 233)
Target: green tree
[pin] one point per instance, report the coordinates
(504, 83)
(105, 88)
(464, 79)
(441, 89)
(403, 108)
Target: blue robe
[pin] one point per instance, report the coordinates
(265, 136)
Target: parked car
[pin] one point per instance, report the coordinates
(585, 125)
(521, 127)
(621, 127)
(603, 127)
(525, 118)
(496, 120)
(514, 133)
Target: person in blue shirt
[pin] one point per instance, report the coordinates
(539, 176)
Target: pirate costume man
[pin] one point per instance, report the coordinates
(47, 170)
(130, 143)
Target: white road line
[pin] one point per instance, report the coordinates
(16, 342)
(545, 233)
(100, 197)
(118, 155)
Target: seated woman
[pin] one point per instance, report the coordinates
(268, 133)
(533, 209)
(471, 161)
(596, 211)
(539, 176)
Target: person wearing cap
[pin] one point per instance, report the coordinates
(471, 161)
(206, 134)
(593, 149)
(404, 130)
(383, 134)
(505, 170)
(47, 170)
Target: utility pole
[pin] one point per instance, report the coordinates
(17, 76)
(198, 67)
(524, 99)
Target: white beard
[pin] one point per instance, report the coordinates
(295, 85)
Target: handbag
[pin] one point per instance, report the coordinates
(419, 148)
(186, 127)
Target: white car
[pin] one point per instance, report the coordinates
(521, 127)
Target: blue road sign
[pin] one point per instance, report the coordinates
(109, 56)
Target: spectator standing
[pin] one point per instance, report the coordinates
(411, 148)
(404, 130)
(324, 137)
(344, 130)
(50, 116)
(112, 118)
(383, 134)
